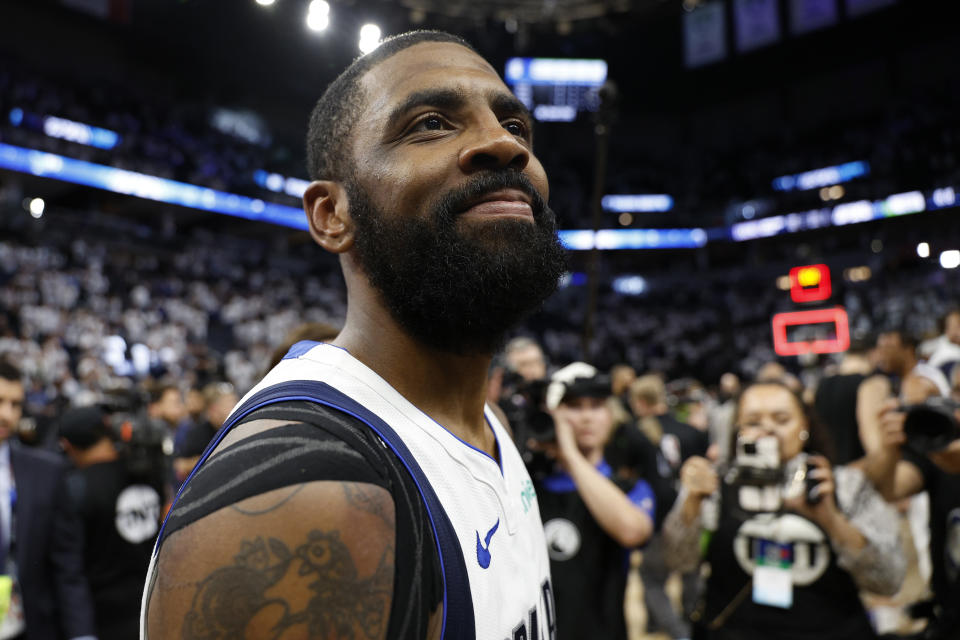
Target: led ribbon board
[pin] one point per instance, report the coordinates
(836, 316)
(141, 185)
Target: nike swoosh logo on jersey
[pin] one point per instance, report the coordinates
(483, 549)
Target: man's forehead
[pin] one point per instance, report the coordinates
(427, 64)
(11, 388)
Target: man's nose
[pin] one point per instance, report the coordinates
(493, 147)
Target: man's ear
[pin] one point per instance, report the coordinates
(327, 207)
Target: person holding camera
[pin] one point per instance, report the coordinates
(120, 511)
(793, 540)
(919, 451)
(591, 518)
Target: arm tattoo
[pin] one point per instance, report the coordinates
(362, 497)
(233, 601)
(279, 503)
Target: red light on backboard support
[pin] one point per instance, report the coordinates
(837, 316)
(810, 283)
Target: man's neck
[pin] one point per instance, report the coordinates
(449, 388)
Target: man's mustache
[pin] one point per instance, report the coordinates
(457, 201)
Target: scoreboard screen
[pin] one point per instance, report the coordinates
(557, 89)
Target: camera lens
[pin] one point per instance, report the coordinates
(750, 448)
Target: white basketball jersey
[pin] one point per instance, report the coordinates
(491, 506)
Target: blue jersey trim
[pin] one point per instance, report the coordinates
(302, 347)
(457, 599)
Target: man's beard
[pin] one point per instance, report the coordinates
(459, 290)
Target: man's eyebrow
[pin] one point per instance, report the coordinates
(441, 98)
(508, 104)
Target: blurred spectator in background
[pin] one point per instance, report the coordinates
(946, 348)
(591, 518)
(677, 442)
(43, 588)
(621, 377)
(916, 380)
(525, 358)
(721, 417)
(926, 458)
(789, 549)
(120, 511)
(219, 399)
(776, 372)
(166, 408)
(837, 399)
(166, 405)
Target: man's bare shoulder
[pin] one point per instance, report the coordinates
(310, 560)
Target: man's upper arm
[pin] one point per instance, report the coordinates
(308, 560)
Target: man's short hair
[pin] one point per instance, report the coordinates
(907, 338)
(519, 343)
(156, 390)
(10, 372)
(216, 390)
(648, 389)
(333, 117)
(942, 322)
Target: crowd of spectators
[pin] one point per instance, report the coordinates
(81, 313)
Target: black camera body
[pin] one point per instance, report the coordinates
(138, 437)
(931, 425)
(761, 480)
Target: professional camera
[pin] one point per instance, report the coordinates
(139, 438)
(524, 404)
(931, 425)
(527, 405)
(759, 476)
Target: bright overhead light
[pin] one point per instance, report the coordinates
(36, 207)
(265, 3)
(923, 250)
(318, 21)
(950, 259)
(318, 15)
(369, 38)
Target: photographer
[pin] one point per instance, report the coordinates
(120, 511)
(795, 539)
(920, 451)
(591, 519)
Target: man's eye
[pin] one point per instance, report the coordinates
(516, 128)
(430, 123)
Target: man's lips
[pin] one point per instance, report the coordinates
(508, 202)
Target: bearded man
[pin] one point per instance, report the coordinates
(363, 489)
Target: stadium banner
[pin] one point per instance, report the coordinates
(704, 35)
(757, 23)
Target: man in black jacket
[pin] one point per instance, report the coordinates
(41, 544)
